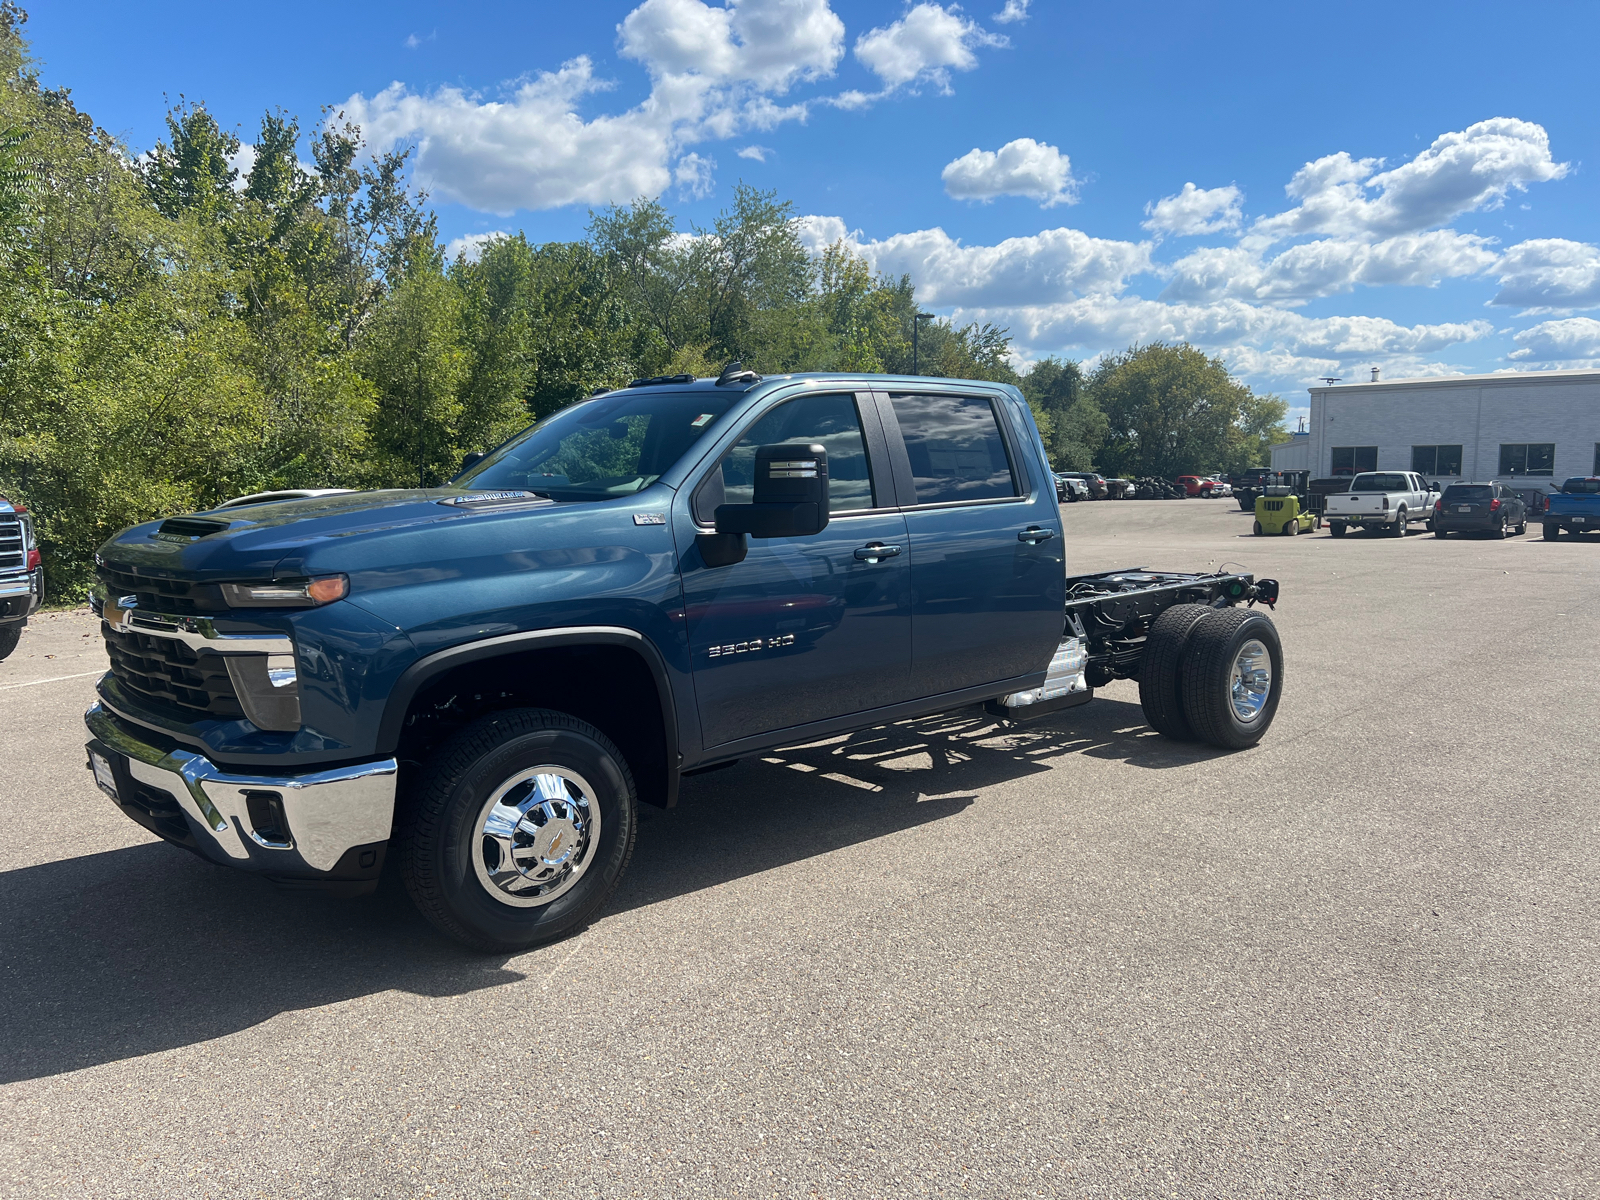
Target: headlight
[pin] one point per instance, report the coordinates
(305, 593)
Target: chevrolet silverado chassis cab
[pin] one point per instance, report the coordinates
(484, 680)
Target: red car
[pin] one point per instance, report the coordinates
(1196, 486)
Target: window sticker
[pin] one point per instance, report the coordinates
(701, 420)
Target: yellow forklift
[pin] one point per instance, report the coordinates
(1283, 506)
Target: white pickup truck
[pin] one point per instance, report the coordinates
(1390, 500)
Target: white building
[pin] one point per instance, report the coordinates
(1531, 428)
(1293, 455)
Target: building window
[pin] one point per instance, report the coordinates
(1352, 460)
(1527, 458)
(1434, 461)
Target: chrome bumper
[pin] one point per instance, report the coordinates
(324, 815)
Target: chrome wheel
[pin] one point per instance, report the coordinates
(1250, 681)
(534, 834)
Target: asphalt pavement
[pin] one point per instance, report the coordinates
(1068, 958)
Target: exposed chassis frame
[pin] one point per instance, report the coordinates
(1111, 612)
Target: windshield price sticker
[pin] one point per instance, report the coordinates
(701, 421)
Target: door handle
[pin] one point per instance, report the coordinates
(874, 551)
(1034, 535)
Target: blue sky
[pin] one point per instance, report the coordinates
(1027, 163)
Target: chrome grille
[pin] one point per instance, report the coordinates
(13, 554)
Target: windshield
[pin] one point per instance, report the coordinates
(1380, 483)
(613, 445)
(1467, 491)
(1573, 486)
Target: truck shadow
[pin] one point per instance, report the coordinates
(144, 949)
(791, 804)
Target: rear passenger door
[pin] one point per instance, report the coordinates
(987, 565)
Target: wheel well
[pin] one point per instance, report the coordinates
(611, 687)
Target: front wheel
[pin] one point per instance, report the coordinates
(519, 829)
(1232, 677)
(10, 635)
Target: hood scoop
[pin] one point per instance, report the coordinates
(186, 529)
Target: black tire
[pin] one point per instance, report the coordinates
(1551, 532)
(1245, 505)
(10, 635)
(1208, 701)
(1161, 670)
(1439, 533)
(1500, 533)
(1337, 528)
(1258, 531)
(1398, 529)
(439, 836)
(1522, 527)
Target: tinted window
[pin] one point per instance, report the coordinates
(614, 445)
(1574, 486)
(1463, 492)
(830, 420)
(1436, 460)
(1380, 483)
(1527, 458)
(1350, 460)
(955, 447)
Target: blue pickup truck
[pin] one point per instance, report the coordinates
(483, 680)
(1573, 509)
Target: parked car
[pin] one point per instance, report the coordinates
(1195, 485)
(482, 682)
(1575, 508)
(21, 574)
(1387, 500)
(1070, 488)
(1479, 508)
(1095, 483)
(1119, 489)
(1220, 485)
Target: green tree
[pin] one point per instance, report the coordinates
(1172, 410)
(1077, 427)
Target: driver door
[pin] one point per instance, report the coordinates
(805, 628)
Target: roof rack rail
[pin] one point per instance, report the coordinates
(734, 372)
(652, 380)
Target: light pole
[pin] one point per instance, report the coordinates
(916, 324)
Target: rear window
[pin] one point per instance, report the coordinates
(955, 447)
(1574, 486)
(1464, 492)
(1380, 483)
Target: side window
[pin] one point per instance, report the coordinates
(831, 420)
(956, 449)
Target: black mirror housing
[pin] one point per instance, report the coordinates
(791, 494)
(472, 460)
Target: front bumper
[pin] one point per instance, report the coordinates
(321, 826)
(21, 595)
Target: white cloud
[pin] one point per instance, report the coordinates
(1573, 342)
(1461, 172)
(1020, 168)
(694, 176)
(1049, 266)
(758, 153)
(1195, 211)
(532, 151)
(1327, 267)
(925, 44)
(1015, 10)
(241, 160)
(471, 244)
(770, 43)
(1550, 273)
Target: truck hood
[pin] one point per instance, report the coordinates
(291, 538)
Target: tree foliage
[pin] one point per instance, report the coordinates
(213, 318)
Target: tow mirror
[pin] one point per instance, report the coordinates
(791, 494)
(1434, 486)
(790, 500)
(472, 460)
